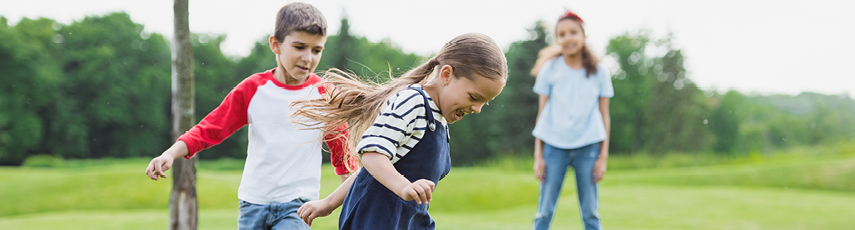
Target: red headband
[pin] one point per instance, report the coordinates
(572, 15)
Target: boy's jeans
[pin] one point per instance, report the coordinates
(557, 161)
(273, 216)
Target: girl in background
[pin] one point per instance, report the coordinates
(572, 121)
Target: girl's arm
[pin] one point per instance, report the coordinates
(324, 207)
(381, 168)
(600, 164)
(539, 163)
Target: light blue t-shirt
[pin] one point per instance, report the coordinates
(571, 117)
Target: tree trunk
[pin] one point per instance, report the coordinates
(182, 204)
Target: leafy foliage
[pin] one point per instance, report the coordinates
(100, 87)
(28, 83)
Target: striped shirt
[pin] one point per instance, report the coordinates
(400, 125)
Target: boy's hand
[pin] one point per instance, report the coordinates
(158, 166)
(419, 190)
(314, 209)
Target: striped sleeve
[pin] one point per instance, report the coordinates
(396, 127)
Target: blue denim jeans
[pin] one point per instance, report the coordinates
(557, 161)
(273, 216)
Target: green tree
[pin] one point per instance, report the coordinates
(380, 60)
(260, 59)
(345, 48)
(374, 61)
(678, 107)
(28, 86)
(115, 92)
(632, 85)
(724, 121)
(99, 87)
(517, 107)
(780, 121)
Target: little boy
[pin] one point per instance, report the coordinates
(282, 169)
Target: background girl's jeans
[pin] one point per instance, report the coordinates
(557, 161)
(275, 216)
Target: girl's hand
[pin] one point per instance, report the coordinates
(314, 209)
(158, 166)
(599, 169)
(539, 168)
(419, 190)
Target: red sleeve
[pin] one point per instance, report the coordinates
(338, 142)
(221, 123)
(338, 152)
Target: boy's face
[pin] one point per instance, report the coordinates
(461, 96)
(298, 55)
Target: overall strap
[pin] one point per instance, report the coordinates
(429, 113)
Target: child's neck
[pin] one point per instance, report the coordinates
(280, 75)
(574, 61)
(432, 89)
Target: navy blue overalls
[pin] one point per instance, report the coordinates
(370, 205)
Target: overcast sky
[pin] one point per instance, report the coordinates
(755, 46)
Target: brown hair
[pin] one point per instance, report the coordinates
(299, 16)
(359, 102)
(589, 60)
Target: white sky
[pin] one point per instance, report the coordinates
(760, 46)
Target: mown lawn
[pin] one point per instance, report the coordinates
(790, 191)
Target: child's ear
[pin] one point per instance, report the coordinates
(274, 44)
(446, 73)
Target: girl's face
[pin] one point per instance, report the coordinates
(460, 96)
(570, 36)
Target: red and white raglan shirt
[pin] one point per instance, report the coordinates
(283, 159)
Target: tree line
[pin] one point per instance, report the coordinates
(100, 87)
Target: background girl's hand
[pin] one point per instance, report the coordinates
(419, 190)
(158, 166)
(314, 209)
(539, 168)
(599, 169)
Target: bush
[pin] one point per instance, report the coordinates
(43, 161)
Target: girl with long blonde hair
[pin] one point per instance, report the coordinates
(402, 133)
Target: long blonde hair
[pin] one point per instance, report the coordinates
(358, 102)
(589, 60)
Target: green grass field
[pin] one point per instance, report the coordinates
(783, 191)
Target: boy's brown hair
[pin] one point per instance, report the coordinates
(299, 16)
